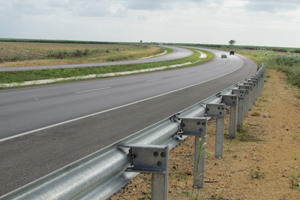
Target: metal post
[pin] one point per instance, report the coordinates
(159, 186)
(240, 113)
(263, 76)
(250, 95)
(246, 98)
(231, 100)
(219, 137)
(256, 81)
(253, 91)
(241, 95)
(197, 127)
(259, 83)
(199, 164)
(218, 110)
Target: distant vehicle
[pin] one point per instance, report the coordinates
(231, 53)
(223, 56)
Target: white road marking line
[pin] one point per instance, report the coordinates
(115, 108)
(93, 90)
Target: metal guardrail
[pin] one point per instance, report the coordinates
(101, 174)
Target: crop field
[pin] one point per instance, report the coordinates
(19, 54)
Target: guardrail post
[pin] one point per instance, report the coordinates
(256, 81)
(253, 92)
(263, 76)
(151, 159)
(241, 95)
(250, 96)
(246, 99)
(231, 100)
(218, 111)
(197, 126)
(255, 89)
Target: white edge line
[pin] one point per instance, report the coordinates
(111, 109)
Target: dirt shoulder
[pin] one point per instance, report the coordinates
(258, 164)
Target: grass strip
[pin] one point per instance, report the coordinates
(21, 76)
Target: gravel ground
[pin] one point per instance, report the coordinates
(259, 164)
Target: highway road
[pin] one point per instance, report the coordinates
(44, 128)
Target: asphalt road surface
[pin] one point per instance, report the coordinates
(44, 128)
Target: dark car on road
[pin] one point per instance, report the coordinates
(231, 53)
(223, 56)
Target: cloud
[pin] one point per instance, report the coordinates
(146, 5)
(273, 6)
(205, 21)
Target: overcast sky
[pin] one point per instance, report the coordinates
(252, 22)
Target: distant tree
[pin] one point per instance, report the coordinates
(141, 40)
(232, 42)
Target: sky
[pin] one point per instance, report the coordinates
(248, 22)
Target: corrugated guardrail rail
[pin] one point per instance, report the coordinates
(101, 174)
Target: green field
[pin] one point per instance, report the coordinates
(18, 54)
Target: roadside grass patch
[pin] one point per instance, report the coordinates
(295, 179)
(256, 174)
(244, 134)
(14, 54)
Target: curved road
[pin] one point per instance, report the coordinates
(178, 53)
(97, 113)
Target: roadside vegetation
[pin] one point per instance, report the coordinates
(18, 54)
(288, 62)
